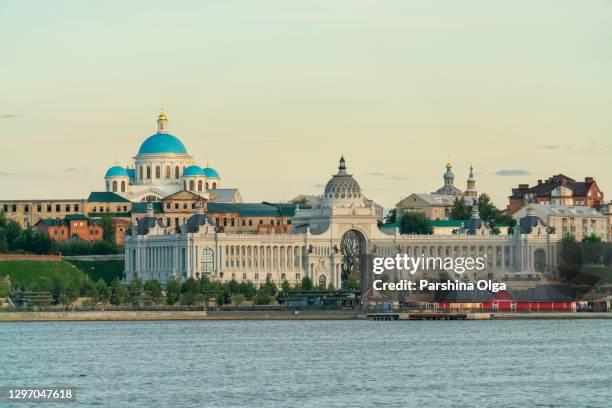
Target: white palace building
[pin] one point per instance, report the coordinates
(329, 242)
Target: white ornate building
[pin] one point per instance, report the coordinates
(329, 242)
(161, 167)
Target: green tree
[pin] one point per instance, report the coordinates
(306, 283)
(120, 293)
(103, 291)
(13, 232)
(155, 290)
(248, 289)
(390, 217)
(263, 298)
(460, 211)
(415, 223)
(570, 258)
(89, 289)
(173, 289)
(285, 287)
(190, 285)
(238, 299)
(109, 229)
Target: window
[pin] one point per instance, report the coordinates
(217, 221)
(288, 222)
(250, 223)
(67, 207)
(39, 208)
(225, 222)
(244, 276)
(48, 207)
(322, 281)
(176, 206)
(260, 222)
(76, 208)
(157, 172)
(148, 172)
(207, 186)
(57, 208)
(208, 261)
(233, 220)
(140, 171)
(177, 171)
(114, 186)
(26, 208)
(243, 223)
(193, 206)
(5, 208)
(191, 185)
(283, 277)
(167, 173)
(168, 205)
(256, 276)
(123, 186)
(200, 185)
(214, 186)
(184, 206)
(14, 208)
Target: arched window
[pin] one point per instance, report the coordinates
(107, 186)
(539, 260)
(200, 185)
(214, 186)
(184, 185)
(148, 172)
(207, 185)
(167, 173)
(123, 186)
(140, 171)
(322, 281)
(191, 185)
(208, 261)
(114, 186)
(157, 172)
(177, 172)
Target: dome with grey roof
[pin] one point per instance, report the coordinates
(342, 184)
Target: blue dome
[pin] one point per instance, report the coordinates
(162, 143)
(117, 171)
(193, 171)
(211, 173)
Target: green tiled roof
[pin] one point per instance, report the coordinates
(264, 209)
(446, 223)
(142, 207)
(106, 197)
(75, 217)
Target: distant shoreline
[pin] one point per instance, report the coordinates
(276, 315)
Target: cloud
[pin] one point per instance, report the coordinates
(73, 169)
(512, 172)
(10, 116)
(317, 186)
(376, 174)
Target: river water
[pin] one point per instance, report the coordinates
(525, 363)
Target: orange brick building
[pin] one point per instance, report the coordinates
(557, 190)
(72, 226)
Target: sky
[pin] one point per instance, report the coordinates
(271, 93)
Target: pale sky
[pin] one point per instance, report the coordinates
(271, 93)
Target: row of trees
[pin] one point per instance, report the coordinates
(574, 256)
(15, 239)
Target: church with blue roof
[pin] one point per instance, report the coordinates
(162, 167)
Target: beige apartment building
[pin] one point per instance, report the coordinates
(28, 212)
(577, 221)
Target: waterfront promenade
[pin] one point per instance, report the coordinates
(126, 315)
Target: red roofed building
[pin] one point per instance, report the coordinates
(557, 190)
(72, 226)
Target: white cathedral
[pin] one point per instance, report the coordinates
(162, 167)
(335, 239)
